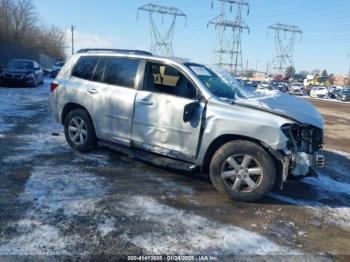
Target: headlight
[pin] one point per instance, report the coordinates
(31, 75)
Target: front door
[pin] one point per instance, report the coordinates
(158, 123)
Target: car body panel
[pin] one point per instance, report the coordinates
(226, 119)
(285, 105)
(113, 116)
(158, 121)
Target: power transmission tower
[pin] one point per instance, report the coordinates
(162, 41)
(285, 36)
(228, 53)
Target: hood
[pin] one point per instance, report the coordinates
(285, 105)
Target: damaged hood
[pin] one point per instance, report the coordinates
(285, 105)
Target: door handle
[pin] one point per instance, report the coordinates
(145, 102)
(92, 91)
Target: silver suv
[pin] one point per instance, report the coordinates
(188, 116)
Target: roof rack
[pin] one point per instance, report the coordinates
(124, 51)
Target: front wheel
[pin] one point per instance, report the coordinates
(243, 171)
(79, 131)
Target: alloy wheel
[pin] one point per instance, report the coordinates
(242, 173)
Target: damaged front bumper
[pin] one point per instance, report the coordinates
(297, 164)
(301, 163)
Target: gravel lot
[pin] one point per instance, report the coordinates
(54, 201)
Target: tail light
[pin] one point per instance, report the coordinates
(54, 85)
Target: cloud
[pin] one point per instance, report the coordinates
(86, 40)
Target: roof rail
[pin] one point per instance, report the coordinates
(124, 51)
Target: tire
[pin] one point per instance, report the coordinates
(79, 131)
(251, 163)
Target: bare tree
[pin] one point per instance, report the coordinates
(19, 26)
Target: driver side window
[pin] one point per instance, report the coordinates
(168, 80)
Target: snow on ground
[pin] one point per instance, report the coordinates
(180, 232)
(15, 100)
(39, 143)
(327, 188)
(66, 191)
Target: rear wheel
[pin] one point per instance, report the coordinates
(243, 171)
(79, 131)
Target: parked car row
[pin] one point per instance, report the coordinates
(296, 88)
(26, 72)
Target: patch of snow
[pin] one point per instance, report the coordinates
(326, 183)
(102, 159)
(177, 231)
(40, 142)
(106, 227)
(342, 153)
(16, 102)
(39, 240)
(66, 191)
(334, 215)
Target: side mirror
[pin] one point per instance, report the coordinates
(189, 111)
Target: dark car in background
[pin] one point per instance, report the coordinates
(334, 93)
(22, 72)
(344, 95)
(56, 68)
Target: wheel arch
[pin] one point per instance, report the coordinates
(223, 139)
(70, 107)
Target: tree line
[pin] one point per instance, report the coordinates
(20, 25)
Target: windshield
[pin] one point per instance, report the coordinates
(59, 64)
(222, 84)
(19, 65)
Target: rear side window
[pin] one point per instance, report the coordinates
(121, 71)
(85, 67)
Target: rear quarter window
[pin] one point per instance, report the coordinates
(85, 67)
(121, 71)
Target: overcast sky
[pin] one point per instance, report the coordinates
(112, 23)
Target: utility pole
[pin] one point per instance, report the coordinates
(228, 53)
(72, 28)
(162, 43)
(257, 63)
(285, 36)
(246, 68)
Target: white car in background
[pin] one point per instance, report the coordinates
(319, 92)
(263, 85)
(296, 89)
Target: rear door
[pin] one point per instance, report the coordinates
(158, 123)
(113, 91)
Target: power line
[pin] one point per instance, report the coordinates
(228, 53)
(161, 43)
